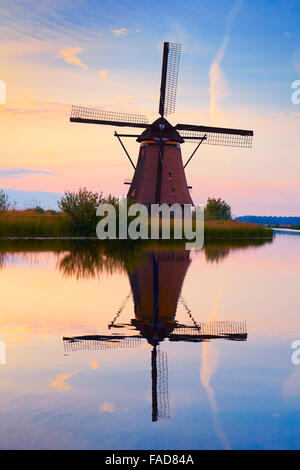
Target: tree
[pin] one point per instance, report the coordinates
(39, 209)
(217, 209)
(4, 201)
(81, 208)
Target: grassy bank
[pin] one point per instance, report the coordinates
(24, 224)
(230, 229)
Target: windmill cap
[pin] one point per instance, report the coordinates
(160, 128)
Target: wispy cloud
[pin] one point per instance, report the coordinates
(120, 32)
(16, 173)
(70, 56)
(217, 78)
(102, 73)
(32, 107)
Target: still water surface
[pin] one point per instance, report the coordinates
(164, 349)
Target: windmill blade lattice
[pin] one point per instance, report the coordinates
(216, 135)
(100, 116)
(169, 77)
(100, 342)
(162, 386)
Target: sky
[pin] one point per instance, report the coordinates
(238, 63)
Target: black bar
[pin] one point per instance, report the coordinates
(117, 135)
(155, 291)
(139, 459)
(154, 384)
(203, 138)
(163, 79)
(109, 123)
(129, 135)
(160, 162)
(200, 338)
(72, 339)
(216, 130)
(192, 138)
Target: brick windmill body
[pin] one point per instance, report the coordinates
(159, 175)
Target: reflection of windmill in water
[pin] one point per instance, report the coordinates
(156, 287)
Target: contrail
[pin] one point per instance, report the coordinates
(217, 78)
(209, 365)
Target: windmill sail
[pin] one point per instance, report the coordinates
(169, 77)
(95, 342)
(216, 135)
(159, 375)
(110, 118)
(231, 330)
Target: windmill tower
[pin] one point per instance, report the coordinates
(159, 175)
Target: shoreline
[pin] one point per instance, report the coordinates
(45, 226)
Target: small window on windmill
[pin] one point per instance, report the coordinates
(133, 192)
(173, 192)
(143, 151)
(170, 176)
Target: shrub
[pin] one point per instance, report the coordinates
(5, 204)
(217, 209)
(81, 208)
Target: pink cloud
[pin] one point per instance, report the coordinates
(70, 56)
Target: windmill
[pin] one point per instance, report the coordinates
(159, 175)
(155, 309)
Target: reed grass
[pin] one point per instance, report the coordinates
(233, 229)
(24, 224)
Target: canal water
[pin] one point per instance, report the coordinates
(106, 347)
